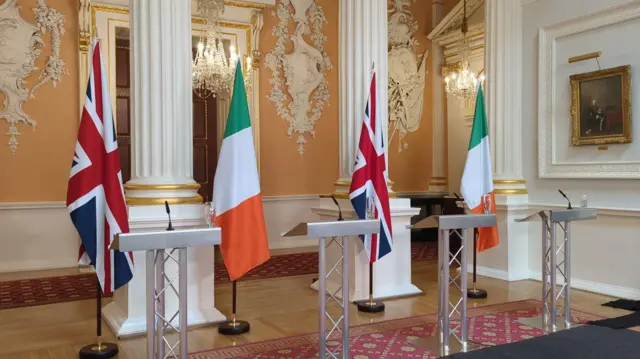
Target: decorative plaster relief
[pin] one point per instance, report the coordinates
(407, 73)
(20, 46)
(304, 68)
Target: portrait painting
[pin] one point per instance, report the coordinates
(601, 107)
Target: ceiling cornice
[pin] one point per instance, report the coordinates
(453, 20)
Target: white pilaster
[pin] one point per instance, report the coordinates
(503, 96)
(161, 111)
(162, 159)
(363, 41)
(503, 87)
(438, 182)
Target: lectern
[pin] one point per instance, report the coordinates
(160, 247)
(551, 247)
(446, 340)
(327, 234)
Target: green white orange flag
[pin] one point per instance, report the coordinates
(236, 191)
(477, 179)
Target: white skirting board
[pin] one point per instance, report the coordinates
(40, 235)
(37, 236)
(590, 286)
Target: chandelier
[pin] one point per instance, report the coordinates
(213, 71)
(462, 84)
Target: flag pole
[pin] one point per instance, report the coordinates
(234, 326)
(370, 306)
(99, 349)
(475, 293)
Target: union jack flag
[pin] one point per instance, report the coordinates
(369, 192)
(95, 195)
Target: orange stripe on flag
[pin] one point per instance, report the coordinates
(244, 237)
(487, 236)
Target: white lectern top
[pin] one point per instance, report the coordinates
(335, 228)
(161, 239)
(457, 221)
(564, 215)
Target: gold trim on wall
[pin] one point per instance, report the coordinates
(589, 56)
(514, 191)
(509, 182)
(576, 138)
(161, 187)
(246, 5)
(149, 201)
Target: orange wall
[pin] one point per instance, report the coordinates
(282, 170)
(411, 168)
(39, 170)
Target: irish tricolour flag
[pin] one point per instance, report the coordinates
(236, 191)
(477, 180)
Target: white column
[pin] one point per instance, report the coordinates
(503, 96)
(438, 182)
(503, 87)
(162, 163)
(161, 113)
(363, 41)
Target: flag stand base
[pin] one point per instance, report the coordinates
(99, 351)
(234, 327)
(476, 293)
(368, 306)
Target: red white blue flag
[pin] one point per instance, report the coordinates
(95, 195)
(369, 193)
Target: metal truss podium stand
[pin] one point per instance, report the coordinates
(162, 246)
(327, 234)
(448, 341)
(556, 302)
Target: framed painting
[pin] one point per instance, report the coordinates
(601, 107)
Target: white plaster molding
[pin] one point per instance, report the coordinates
(32, 205)
(503, 88)
(548, 167)
(407, 74)
(453, 21)
(302, 72)
(364, 41)
(527, 2)
(20, 46)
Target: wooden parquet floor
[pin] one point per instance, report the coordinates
(276, 308)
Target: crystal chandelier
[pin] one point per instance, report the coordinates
(213, 71)
(462, 84)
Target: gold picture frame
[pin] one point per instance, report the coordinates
(601, 107)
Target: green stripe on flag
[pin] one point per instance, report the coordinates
(479, 129)
(238, 118)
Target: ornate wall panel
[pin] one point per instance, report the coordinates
(299, 77)
(20, 45)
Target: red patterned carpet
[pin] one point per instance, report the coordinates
(488, 325)
(286, 265)
(41, 291)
